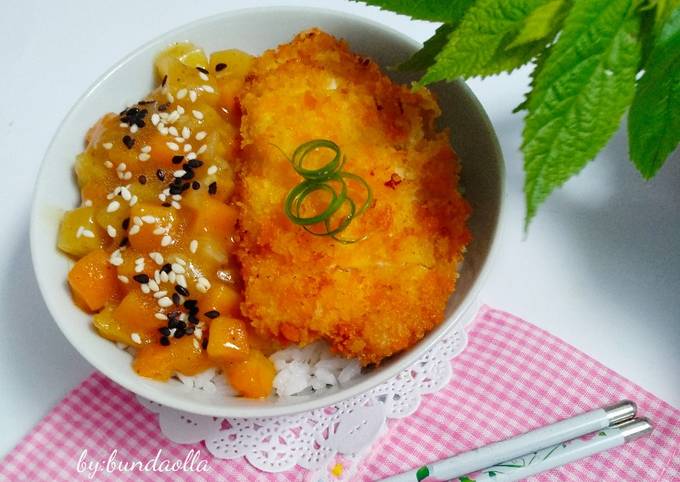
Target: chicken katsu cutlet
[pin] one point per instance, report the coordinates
(377, 296)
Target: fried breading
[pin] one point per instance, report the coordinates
(378, 296)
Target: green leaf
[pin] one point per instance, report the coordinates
(423, 58)
(541, 23)
(580, 94)
(433, 10)
(654, 118)
(476, 46)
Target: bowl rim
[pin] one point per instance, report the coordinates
(407, 358)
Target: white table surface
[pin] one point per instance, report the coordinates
(600, 267)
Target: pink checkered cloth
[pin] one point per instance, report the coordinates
(512, 377)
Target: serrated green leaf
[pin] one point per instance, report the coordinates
(542, 22)
(433, 10)
(654, 118)
(580, 95)
(473, 48)
(539, 62)
(423, 58)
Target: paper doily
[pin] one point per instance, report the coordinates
(319, 439)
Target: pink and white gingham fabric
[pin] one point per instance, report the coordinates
(511, 378)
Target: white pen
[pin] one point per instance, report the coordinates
(562, 453)
(520, 445)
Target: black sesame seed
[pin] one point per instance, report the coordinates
(166, 205)
(201, 69)
(212, 314)
(182, 290)
(177, 159)
(188, 304)
(212, 188)
(204, 343)
(181, 324)
(165, 341)
(189, 174)
(195, 185)
(220, 67)
(141, 278)
(173, 315)
(175, 189)
(165, 331)
(142, 179)
(186, 186)
(123, 242)
(179, 332)
(193, 310)
(177, 182)
(163, 107)
(160, 174)
(128, 141)
(195, 163)
(146, 102)
(167, 267)
(175, 299)
(126, 223)
(165, 80)
(172, 324)
(194, 320)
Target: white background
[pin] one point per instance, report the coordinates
(600, 267)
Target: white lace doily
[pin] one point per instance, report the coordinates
(318, 439)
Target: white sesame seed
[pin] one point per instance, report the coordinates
(193, 245)
(208, 88)
(108, 164)
(172, 146)
(121, 167)
(190, 156)
(212, 170)
(127, 176)
(196, 344)
(198, 333)
(192, 95)
(153, 285)
(137, 220)
(187, 147)
(145, 288)
(172, 277)
(197, 114)
(176, 205)
(164, 277)
(165, 302)
(179, 173)
(134, 230)
(107, 145)
(158, 231)
(144, 157)
(181, 280)
(181, 93)
(173, 117)
(186, 132)
(79, 233)
(202, 149)
(170, 97)
(112, 207)
(134, 128)
(180, 109)
(111, 231)
(126, 194)
(177, 197)
(203, 75)
(139, 268)
(124, 125)
(179, 139)
(159, 294)
(88, 234)
(116, 261)
(133, 200)
(180, 261)
(178, 268)
(166, 241)
(87, 203)
(146, 149)
(123, 279)
(161, 316)
(173, 131)
(139, 260)
(155, 118)
(156, 257)
(136, 338)
(149, 219)
(162, 196)
(201, 135)
(163, 130)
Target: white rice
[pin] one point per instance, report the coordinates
(299, 371)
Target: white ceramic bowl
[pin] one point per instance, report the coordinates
(254, 30)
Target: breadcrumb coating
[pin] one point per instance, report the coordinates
(378, 296)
